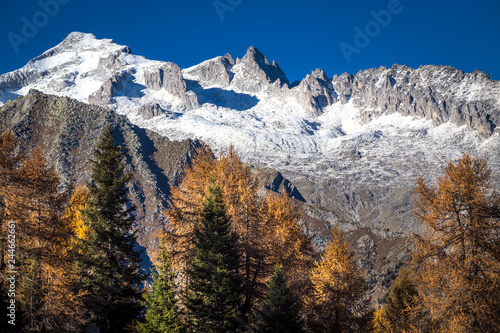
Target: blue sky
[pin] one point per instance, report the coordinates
(299, 35)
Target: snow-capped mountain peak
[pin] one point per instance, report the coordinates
(76, 67)
(254, 72)
(348, 147)
(380, 127)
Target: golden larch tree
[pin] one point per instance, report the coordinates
(338, 301)
(44, 263)
(285, 241)
(267, 228)
(10, 158)
(74, 212)
(458, 257)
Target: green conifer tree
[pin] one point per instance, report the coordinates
(109, 266)
(162, 311)
(214, 286)
(279, 312)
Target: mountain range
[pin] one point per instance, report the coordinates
(348, 148)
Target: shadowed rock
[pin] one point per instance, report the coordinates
(169, 77)
(315, 93)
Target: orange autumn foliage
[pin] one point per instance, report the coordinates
(458, 257)
(73, 213)
(9, 162)
(285, 242)
(44, 262)
(268, 228)
(337, 302)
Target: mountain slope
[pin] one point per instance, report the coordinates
(352, 145)
(66, 131)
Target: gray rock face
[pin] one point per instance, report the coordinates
(439, 93)
(169, 77)
(149, 111)
(67, 131)
(20, 78)
(191, 100)
(272, 180)
(154, 79)
(254, 73)
(315, 92)
(342, 85)
(215, 71)
(112, 62)
(104, 95)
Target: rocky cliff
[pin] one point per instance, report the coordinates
(439, 93)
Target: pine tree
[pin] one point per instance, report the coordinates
(162, 310)
(279, 312)
(214, 284)
(338, 302)
(457, 261)
(109, 264)
(399, 304)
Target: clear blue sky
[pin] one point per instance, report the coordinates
(299, 35)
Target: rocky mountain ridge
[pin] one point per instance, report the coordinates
(360, 133)
(347, 147)
(439, 93)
